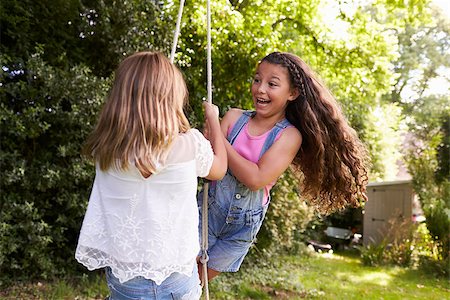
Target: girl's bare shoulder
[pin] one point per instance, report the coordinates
(232, 115)
(291, 135)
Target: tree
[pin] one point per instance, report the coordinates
(424, 55)
(52, 25)
(45, 114)
(429, 170)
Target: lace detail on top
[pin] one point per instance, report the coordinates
(147, 226)
(203, 158)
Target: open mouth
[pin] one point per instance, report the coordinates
(262, 101)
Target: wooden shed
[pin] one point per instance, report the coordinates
(391, 200)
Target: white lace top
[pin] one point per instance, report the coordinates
(147, 226)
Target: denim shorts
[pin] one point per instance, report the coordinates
(235, 216)
(176, 286)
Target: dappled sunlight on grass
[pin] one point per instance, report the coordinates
(343, 276)
(377, 278)
(354, 274)
(335, 256)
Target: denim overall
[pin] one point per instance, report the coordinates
(235, 213)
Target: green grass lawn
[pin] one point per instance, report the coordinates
(320, 276)
(329, 276)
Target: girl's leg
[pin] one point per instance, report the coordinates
(211, 272)
(179, 286)
(176, 286)
(136, 288)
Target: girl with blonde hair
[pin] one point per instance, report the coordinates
(141, 222)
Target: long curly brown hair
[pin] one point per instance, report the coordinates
(332, 161)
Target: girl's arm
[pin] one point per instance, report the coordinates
(214, 135)
(271, 165)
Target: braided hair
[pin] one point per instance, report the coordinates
(332, 161)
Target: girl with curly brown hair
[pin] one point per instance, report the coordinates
(298, 123)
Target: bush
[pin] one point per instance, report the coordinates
(287, 217)
(434, 267)
(395, 248)
(427, 256)
(45, 116)
(408, 245)
(373, 254)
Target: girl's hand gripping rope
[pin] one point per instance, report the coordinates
(213, 133)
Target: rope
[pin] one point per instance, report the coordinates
(204, 258)
(177, 31)
(208, 52)
(204, 248)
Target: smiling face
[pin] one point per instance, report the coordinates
(271, 89)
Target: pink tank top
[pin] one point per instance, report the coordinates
(249, 147)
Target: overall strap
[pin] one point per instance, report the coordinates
(240, 123)
(279, 126)
(245, 117)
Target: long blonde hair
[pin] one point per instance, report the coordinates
(142, 115)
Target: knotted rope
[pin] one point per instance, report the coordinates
(204, 246)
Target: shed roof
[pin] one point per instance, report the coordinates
(395, 182)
